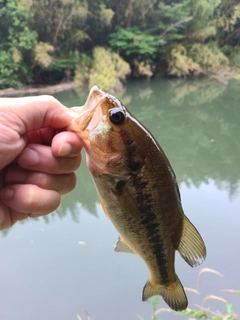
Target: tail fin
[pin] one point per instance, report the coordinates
(173, 294)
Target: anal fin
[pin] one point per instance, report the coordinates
(173, 294)
(121, 246)
(191, 246)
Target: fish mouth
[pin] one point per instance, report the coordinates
(94, 97)
(85, 113)
(90, 113)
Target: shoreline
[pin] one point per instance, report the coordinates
(223, 76)
(37, 90)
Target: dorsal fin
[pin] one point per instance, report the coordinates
(191, 246)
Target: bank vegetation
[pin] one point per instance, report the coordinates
(104, 41)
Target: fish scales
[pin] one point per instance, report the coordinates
(147, 227)
(138, 192)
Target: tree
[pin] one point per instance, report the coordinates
(189, 42)
(58, 22)
(17, 40)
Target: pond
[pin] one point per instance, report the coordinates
(63, 266)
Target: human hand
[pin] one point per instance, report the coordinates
(37, 158)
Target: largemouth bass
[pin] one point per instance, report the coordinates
(139, 193)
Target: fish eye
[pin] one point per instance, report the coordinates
(116, 116)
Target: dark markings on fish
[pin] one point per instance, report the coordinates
(133, 163)
(148, 221)
(158, 246)
(135, 166)
(145, 204)
(111, 145)
(126, 138)
(118, 188)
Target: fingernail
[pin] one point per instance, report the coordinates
(65, 149)
(29, 157)
(7, 194)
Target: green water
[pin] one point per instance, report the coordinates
(63, 265)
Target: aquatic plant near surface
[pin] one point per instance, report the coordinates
(204, 313)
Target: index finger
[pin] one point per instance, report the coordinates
(33, 113)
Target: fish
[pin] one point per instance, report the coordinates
(139, 193)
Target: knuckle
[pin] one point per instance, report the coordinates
(32, 199)
(70, 183)
(77, 162)
(46, 97)
(43, 180)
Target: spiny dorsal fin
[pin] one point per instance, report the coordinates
(173, 294)
(121, 246)
(191, 246)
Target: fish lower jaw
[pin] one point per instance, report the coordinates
(91, 164)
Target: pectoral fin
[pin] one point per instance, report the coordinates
(173, 294)
(121, 246)
(191, 246)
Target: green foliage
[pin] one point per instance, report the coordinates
(209, 57)
(81, 78)
(203, 313)
(154, 302)
(174, 18)
(107, 70)
(137, 47)
(42, 55)
(208, 314)
(8, 70)
(17, 40)
(58, 22)
(106, 14)
(14, 29)
(134, 42)
(234, 56)
(203, 12)
(196, 314)
(180, 64)
(45, 38)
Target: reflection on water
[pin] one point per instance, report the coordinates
(197, 124)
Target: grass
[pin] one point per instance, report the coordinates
(86, 314)
(200, 312)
